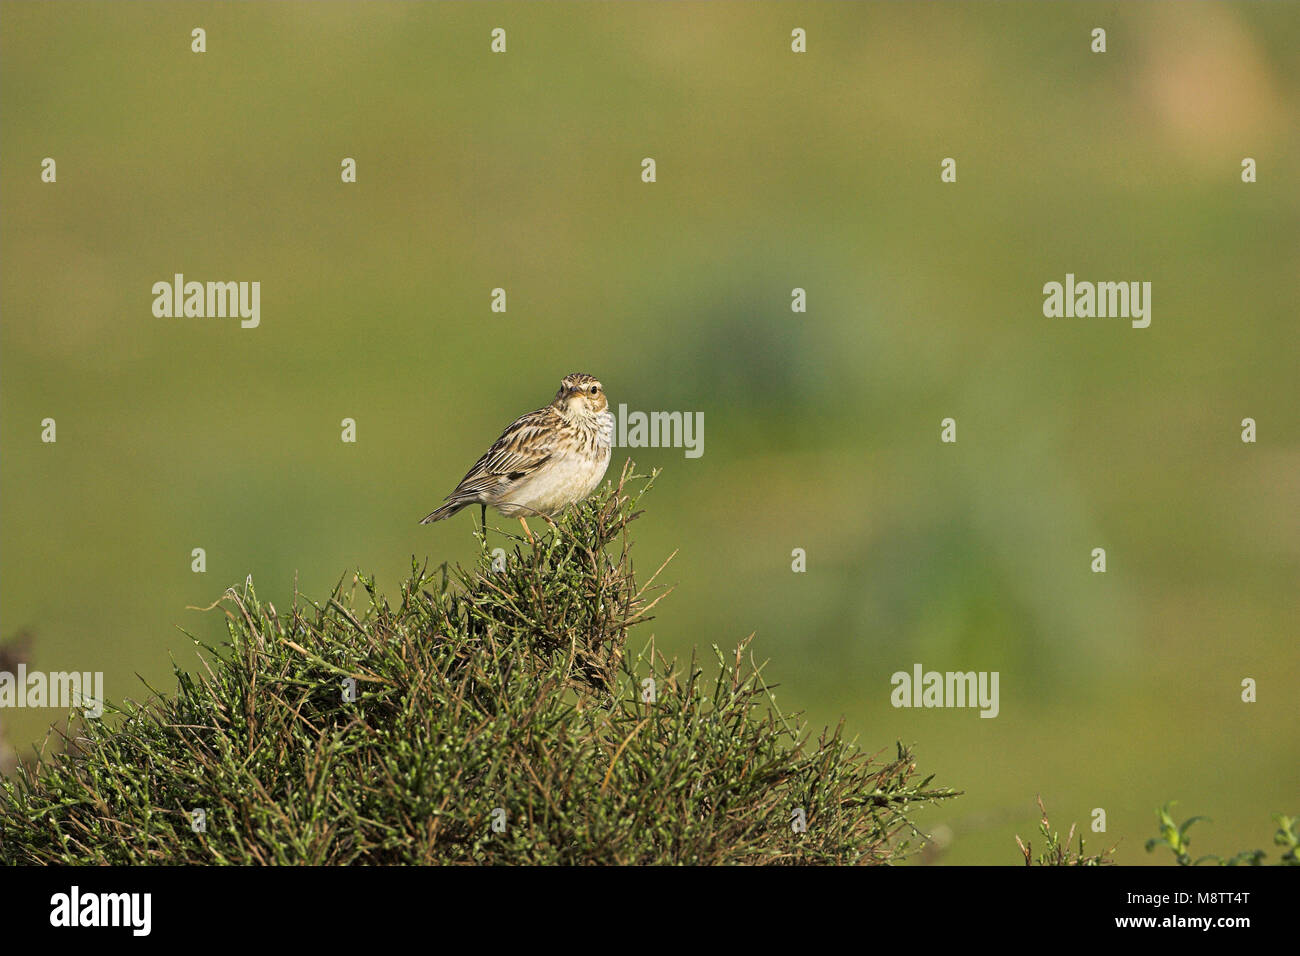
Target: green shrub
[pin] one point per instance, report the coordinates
(1174, 836)
(1058, 852)
(497, 718)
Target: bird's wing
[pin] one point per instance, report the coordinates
(522, 448)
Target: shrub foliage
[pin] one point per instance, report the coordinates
(492, 715)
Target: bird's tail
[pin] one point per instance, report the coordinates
(446, 511)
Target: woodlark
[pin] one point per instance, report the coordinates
(545, 461)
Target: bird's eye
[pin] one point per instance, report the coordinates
(595, 389)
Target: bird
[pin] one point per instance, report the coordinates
(544, 461)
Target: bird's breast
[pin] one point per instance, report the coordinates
(574, 470)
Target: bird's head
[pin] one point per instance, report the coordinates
(581, 394)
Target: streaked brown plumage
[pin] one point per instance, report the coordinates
(545, 460)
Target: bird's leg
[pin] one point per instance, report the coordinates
(483, 522)
(531, 539)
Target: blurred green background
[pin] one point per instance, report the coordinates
(775, 171)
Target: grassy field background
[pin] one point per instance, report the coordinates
(775, 171)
